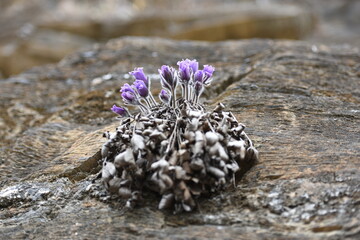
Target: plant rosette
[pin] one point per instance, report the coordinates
(173, 147)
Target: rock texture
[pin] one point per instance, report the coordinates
(300, 103)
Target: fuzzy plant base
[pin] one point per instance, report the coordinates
(175, 148)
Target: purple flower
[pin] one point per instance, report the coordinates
(119, 110)
(167, 76)
(127, 88)
(128, 94)
(129, 98)
(164, 96)
(139, 74)
(186, 68)
(141, 88)
(208, 70)
(204, 75)
(199, 76)
(194, 65)
(184, 71)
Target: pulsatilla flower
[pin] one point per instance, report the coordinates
(168, 77)
(141, 88)
(186, 69)
(120, 111)
(139, 74)
(129, 98)
(127, 88)
(199, 76)
(164, 96)
(208, 70)
(193, 64)
(129, 95)
(204, 76)
(192, 82)
(184, 72)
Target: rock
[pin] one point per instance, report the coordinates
(201, 21)
(36, 32)
(300, 103)
(337, 21)
(249, 21)
(220, 22)
(41, 47)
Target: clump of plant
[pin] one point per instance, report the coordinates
(173, 147)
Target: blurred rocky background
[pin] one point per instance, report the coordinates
(36, 32)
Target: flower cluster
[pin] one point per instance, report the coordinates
(174, 148)
(191, 79)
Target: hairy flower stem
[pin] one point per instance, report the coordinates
(190, 93)
(172, 138)
(129, 114)
(173, 98)
(197, 99)
(193, 97)
(148, 103)
(152, 99)
(145, 108)
(142, 110)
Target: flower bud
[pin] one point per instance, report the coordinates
(194, 65)
(141, 88)
(199, 76)
(164, 96)
(129, 98)
(186, 69)
(168, 78)
(119, 110)
(139, 74)
(208, 70)
(127, 88)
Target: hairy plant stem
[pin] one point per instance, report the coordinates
(172, 138)
(193, 97)
(142, 109)
(196, 99)
(146, 109)
(148, 103)
(190, 92)
(151, 97)
(127, 111)
(173, 97)
(183, 90)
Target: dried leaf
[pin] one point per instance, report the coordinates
(166, 201)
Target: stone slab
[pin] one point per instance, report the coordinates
(300, 103)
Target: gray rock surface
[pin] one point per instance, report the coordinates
(300, 103)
